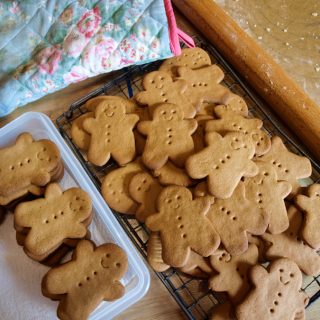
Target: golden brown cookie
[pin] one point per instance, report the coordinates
(237, 104)
(230, 121)
(170, 174)
(183, 226)
(224, 161)
(52, 220)
(160, 88)
(310, 206)
(190, 57)
(290, 245)
(289, 166)
(276, 293)
(154, 253)
(79, 136)
(236, 217)
(232, 271)
(144, 189)
(168, 137)
(204, 85)
(111, 133)
(92, 275)
(26, 163)
(268, 194)
(115, 187)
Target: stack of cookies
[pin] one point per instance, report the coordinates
(218, 195)
(50, 226)
(26, 167)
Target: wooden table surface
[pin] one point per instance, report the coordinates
(158, 303)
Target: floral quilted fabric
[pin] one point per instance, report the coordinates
(46, 45)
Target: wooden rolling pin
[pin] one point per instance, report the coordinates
(285, 97)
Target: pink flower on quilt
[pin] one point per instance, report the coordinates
(125, 45)
(76, 74)
(48, 59)
(15, 9)
(101, 55)
(89, 22)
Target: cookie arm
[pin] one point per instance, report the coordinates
(116, 291)
(143, 98)
(23, 214)
(153, 222)
(257, 275)
(192, 125)
(251, 169)
(131, 120)
(284, 188)
(89, 124)
(144, 127)
(303, 202)
(214, 125)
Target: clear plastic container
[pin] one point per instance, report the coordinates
(20, 277)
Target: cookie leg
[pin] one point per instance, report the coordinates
(124, 154)
(154, 160)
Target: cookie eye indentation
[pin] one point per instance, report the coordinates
(291, 275)
(108, 255)
(184, 236)
(281, 270)
(234, 218)
(272, 310)
(95, 273)
(118, 264)
(279, 294)
(179, 218)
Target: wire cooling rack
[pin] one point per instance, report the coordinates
(192, 295)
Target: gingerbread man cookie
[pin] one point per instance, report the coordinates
(268, 193)
(160, 88)
(276, 293)
(183, 226)
(92, 275)
(232, 271)
(234, 218)
(111, 134)
(193, 58)
(290, 245)
(115, 187)
(52, 220)
(289, 166)
(310, 205)
(144, 189)
(27, 162)
(168, 137)
(231, 121)
(224, 161)
(204, 85)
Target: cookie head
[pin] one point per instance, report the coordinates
(45, 155)
(240, 141)
(158, 80)
(110, 110)
(174, 198)
(80, 201)
(168, 112)
(288, 273)
(113, 260)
